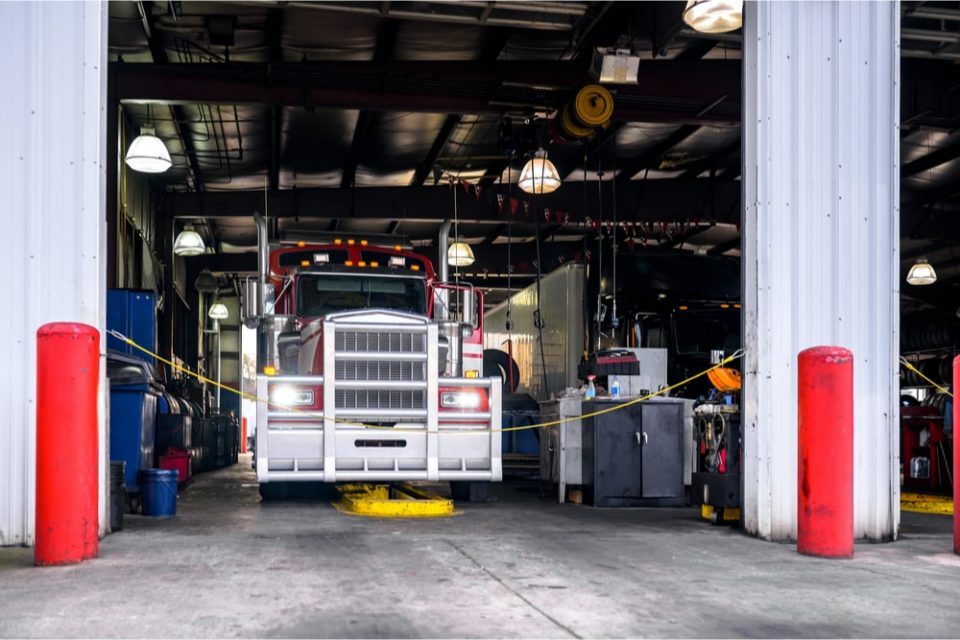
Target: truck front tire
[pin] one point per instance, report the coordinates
(470, 491)
(273, 491)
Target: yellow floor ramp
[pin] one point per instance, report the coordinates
(924, 503)
(399, 500)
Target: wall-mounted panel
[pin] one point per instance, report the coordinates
(52, 175)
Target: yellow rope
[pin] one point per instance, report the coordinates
(909, 366)
(541, 425)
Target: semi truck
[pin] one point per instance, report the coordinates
(369, 368)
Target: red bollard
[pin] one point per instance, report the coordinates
(825, 445)
(243, 435)
(68, 376)
(956, 457)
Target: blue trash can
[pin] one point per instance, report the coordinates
(158, 488)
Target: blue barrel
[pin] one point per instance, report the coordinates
(158, 488)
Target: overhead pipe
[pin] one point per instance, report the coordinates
(263, 261)
(443, 245)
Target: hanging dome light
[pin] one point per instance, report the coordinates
(921, 273)
(460, 255)
(218, 311)
(189, 243)
(714, 16)
(147, 153)
(539, 176)
(206, 282)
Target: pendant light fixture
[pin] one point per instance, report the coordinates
(921, 273)
(206, 282)
(539, 175)
(147, 153)
(714, 16)
(460, 255)
(189, 243)
(218, 311)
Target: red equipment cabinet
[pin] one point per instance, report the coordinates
(912, 421)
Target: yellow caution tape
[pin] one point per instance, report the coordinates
(552, 423)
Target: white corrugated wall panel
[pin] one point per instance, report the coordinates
(53, 241)
(821, 243)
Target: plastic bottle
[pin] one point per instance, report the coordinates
(615, 388)
(591, 388)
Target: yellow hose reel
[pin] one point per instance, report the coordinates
(590, 110)
(725, 379)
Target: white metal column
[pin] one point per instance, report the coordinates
(820, 242)
(52, 176)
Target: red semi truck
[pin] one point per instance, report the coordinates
(372, 363)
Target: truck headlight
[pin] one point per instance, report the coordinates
(460, 399)
(290, 396)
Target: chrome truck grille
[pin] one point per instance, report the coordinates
(381, 341)
(380, 399)
(380, 369)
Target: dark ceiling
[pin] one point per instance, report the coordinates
(355, 116)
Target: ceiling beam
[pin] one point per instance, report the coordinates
(629, 167)
(556, 16)
(723, 247)
(666, 25)
(360, 130)
(931, 160)
(671, 90)
(498, 231)
(492, 258)
(426, 165)
(657, 200)
(696, 50)
(688, 235)
(494, 42)
(367, 120)
(694, 169)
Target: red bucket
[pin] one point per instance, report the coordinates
(178, 460)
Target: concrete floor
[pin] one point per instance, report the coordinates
(228, 565)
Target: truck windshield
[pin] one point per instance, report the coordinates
(321, 294)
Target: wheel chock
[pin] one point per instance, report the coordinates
(400, 500)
